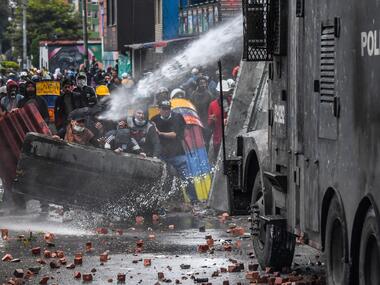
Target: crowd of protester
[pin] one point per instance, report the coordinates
(86, 95)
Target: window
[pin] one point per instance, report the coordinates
(111, 12)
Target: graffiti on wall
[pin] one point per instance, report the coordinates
(71, 56)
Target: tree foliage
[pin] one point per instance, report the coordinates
(4, 15)
(46, 20)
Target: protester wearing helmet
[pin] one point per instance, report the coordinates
(127, 81)
(162, 95)
(12, 99)
(31, 98)
(215, 115)
(177, 93)
(144, 133)
(191, 84)
(102, 91)
(77, 132)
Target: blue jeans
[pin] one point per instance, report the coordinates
(180, 164)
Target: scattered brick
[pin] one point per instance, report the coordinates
(77, 275)
(54, 265)
(47, 254)
(210, 242)
(18, 273)
(44, 280)
(203, 248)
(104, 257)
(160, 276)
(121, 277)
(7, 257)
(87, 277)
(147, 262)
(36, 250)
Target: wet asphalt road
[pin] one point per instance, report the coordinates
(167, 250)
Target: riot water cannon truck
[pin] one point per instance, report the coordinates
(317, 177)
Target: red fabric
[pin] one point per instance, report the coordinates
(216, 126)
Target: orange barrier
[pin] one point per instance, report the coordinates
(13, 128)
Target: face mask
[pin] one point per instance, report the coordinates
(78, 129)
(140, 122)
(166, 118)
(81, 83)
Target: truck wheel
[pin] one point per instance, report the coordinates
(273, 245)
(336, 245)
(369, 259)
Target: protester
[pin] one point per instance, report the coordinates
(170, 127)
(127, 81)
(215, 115)
(201, 99)
(144, 133)
(77, 132)
(64, 105)
(162, 95)
(12, 99)
(120, 140)
(32, 98)
(84, 95)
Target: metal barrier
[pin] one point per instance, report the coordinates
(13, 128)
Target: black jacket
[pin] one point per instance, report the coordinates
(146, 136)
(176, 124)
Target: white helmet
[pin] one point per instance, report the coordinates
(194, 71)
(231, 83)
(124, 75)
(177, 93)
(225, 86)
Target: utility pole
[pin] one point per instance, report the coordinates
(24, 32)
(85, 33)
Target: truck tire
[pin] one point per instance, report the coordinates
(369, 258)
(273, 245)
(336, 245)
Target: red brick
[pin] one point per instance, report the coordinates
(121, 277)
(203, 248)
(87, 277)
(160, 276)
(36, 250)
(103, 257)
(7, 257)
(253, 267)
(4, 234)
(147, 262)
(78, 260)
(44, 280)
(47, 254)
(227, 247)
(88, 246)
(238, 231)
